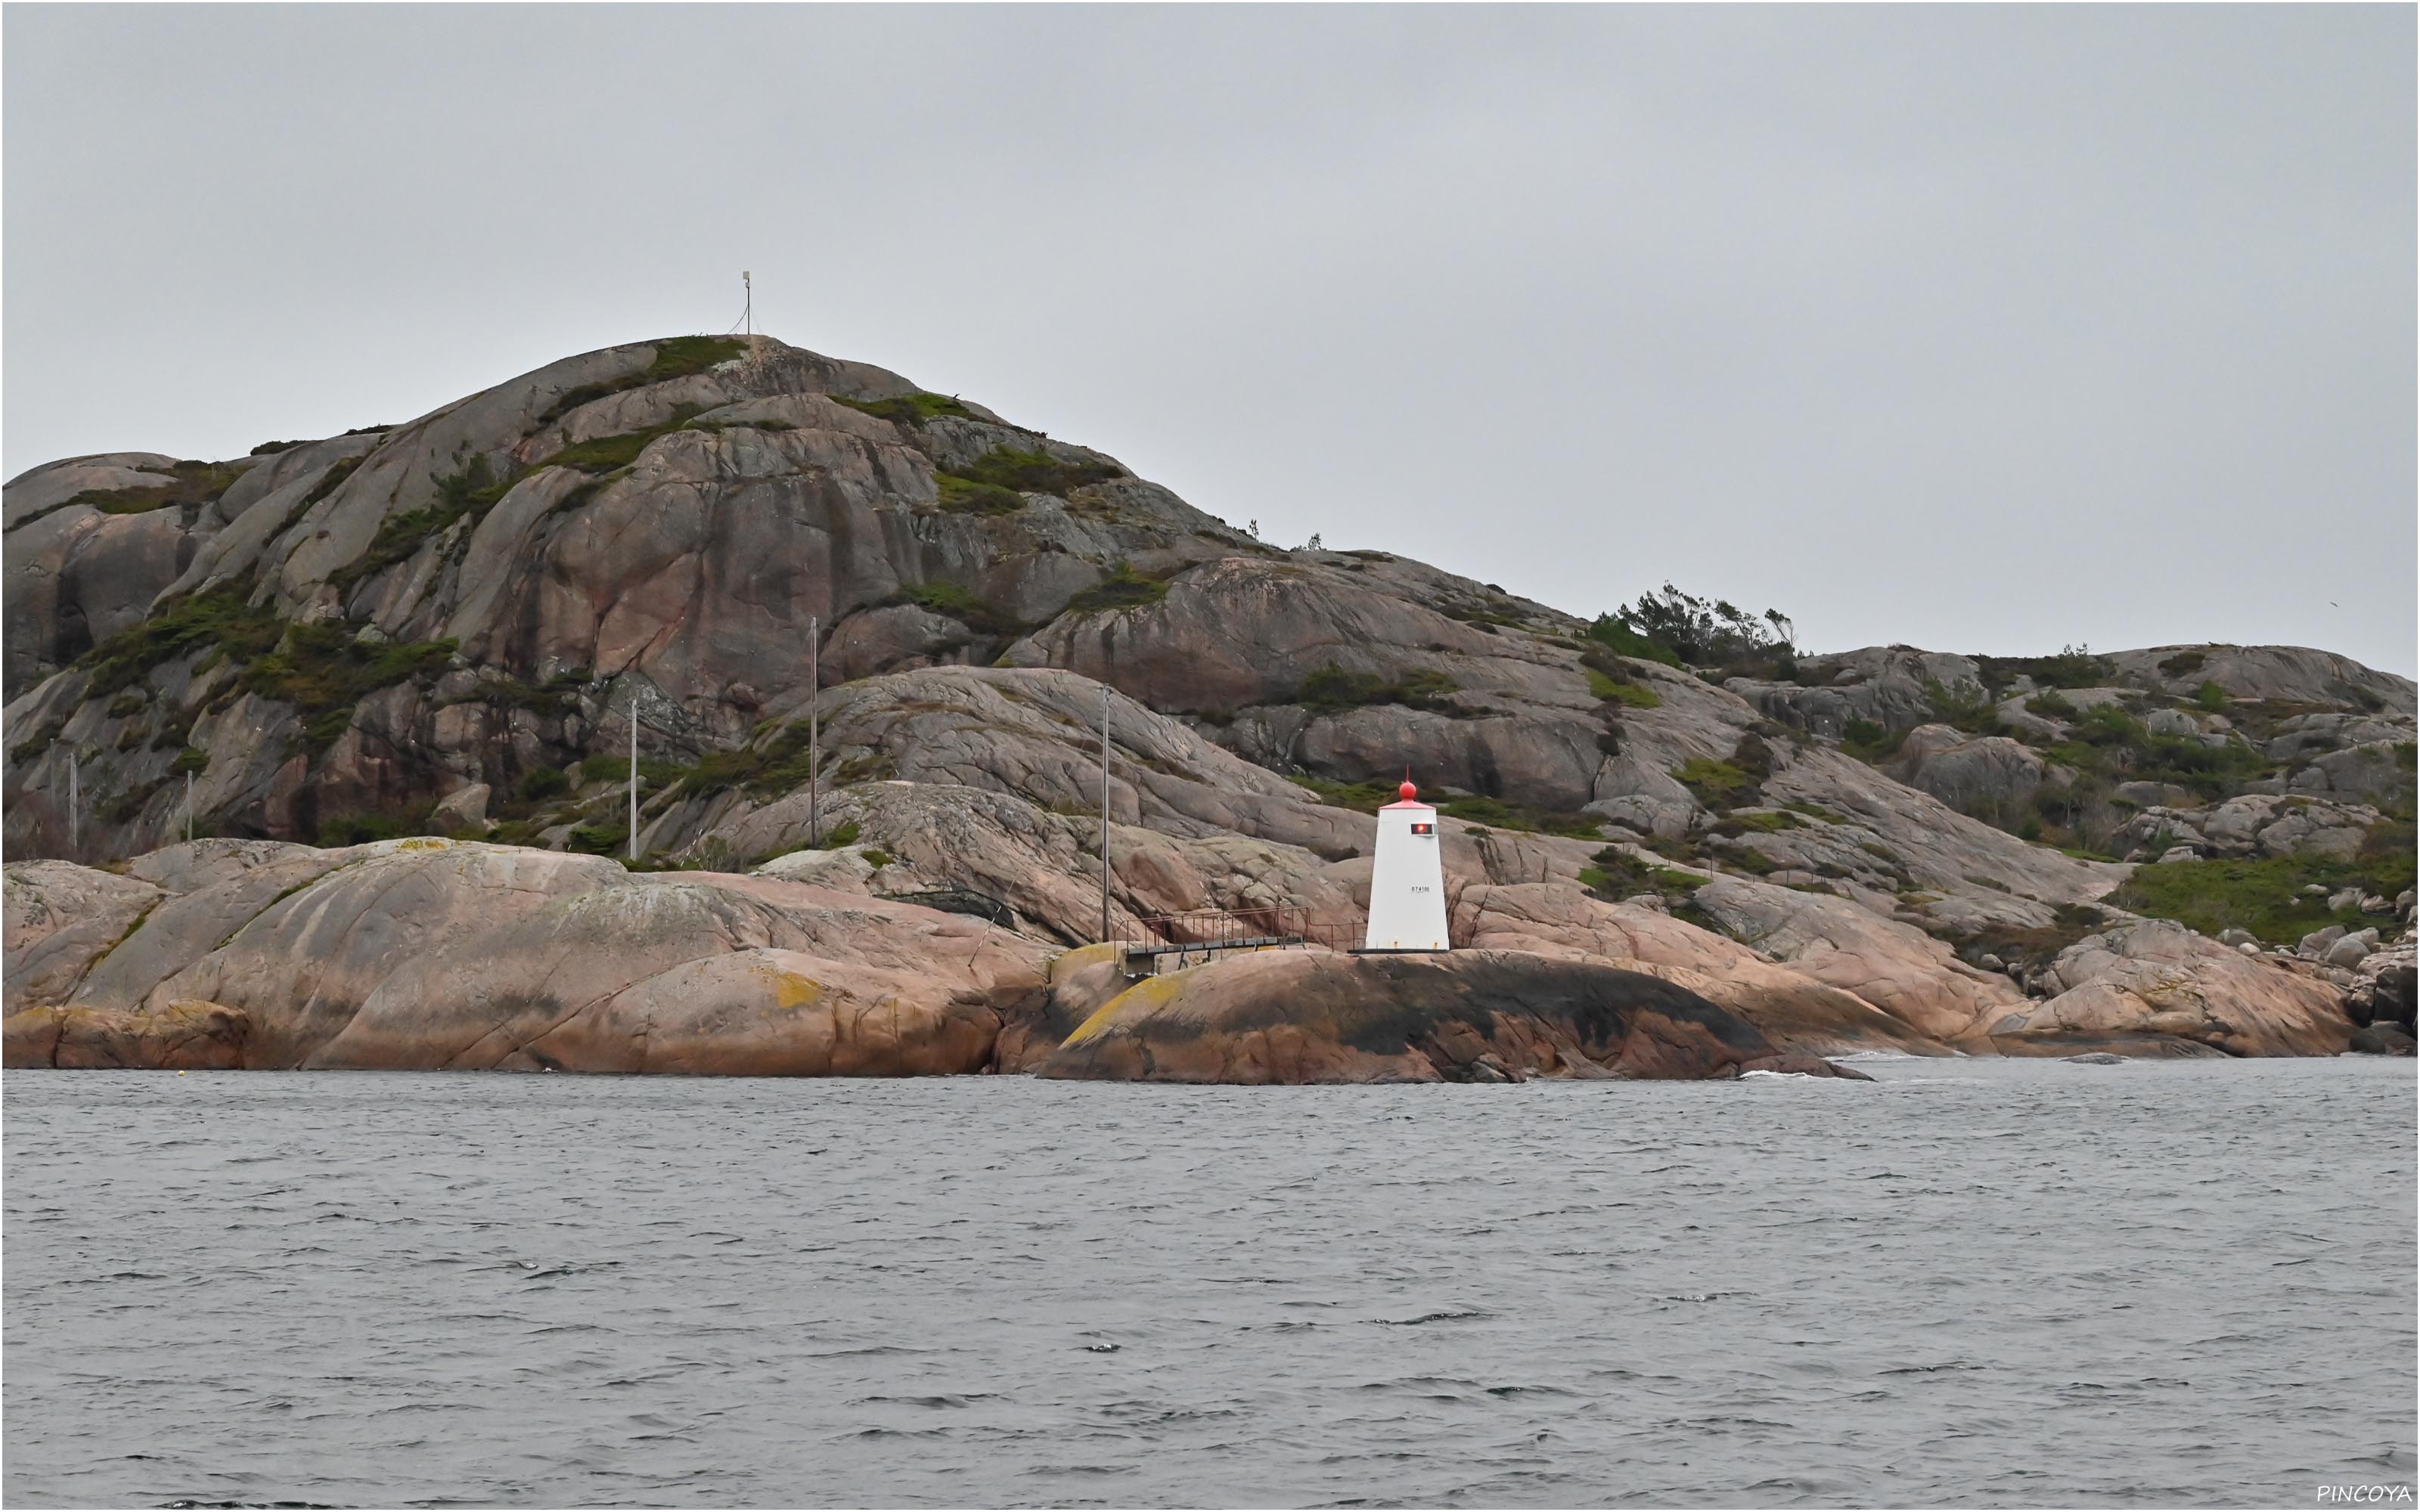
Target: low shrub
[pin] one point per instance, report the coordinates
(677, 357)
(964, 496)
(543, 782)
(1718, 785)
(2073, 667)
(1617, 874)
(2265, 896)
(469, 492)
(1763, 821)
(184, 483)
(324, 671)
(362, 828)
(960, 604)
(1499, 814)
(597, 840)
(1124, 587)
(606, 453)
(1610, 679)
(1975, 712)
(1369, 797)
(908, 408)
(1005, 466)
(219, 619)
(1331, 689)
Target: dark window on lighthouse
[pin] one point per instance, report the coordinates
(1423, 829)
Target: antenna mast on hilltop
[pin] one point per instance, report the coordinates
(748, 319)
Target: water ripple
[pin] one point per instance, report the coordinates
(1980, 1284)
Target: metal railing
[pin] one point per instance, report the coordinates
(960, 900)
(1153, 942)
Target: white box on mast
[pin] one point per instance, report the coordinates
(1407, 879)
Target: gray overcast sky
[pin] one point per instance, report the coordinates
(1981, 329)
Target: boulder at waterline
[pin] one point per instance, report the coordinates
(1311, 1016)
(429, 954)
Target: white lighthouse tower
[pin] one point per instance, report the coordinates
(1407, 879)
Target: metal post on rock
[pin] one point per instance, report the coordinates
(815, 733)
(189, 807)
(75, 850)
(1105, 813)
(632, 846)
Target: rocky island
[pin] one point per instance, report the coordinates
(398, 671)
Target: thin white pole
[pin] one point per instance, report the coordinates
(1105, 812)
(814, 731)
(189, 807)
(75, 849)
(633, 843)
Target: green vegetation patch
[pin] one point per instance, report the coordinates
(1499, 814)
(184, 483)
(1616, 635)
(542, 782)
(1762, 822)
(964, 496)
(1331, 689)
(2035, 947)
(324, 671)
(678, 357)
(1124, 587)
(2183, 664)
(772, 766)
(329, 481)
(604, 454)
(1976, 714)
(1870, 742)
(997, 482)
(960, 604)
(1718, 785)
(2073, 667)
(597, 840)
(910, 408)
(362, 828)
(1610, 678)
(1617, 874)
(219, 619)
(1368, 797)
(1006, 467)
(2110, 745)
(471, 491)
(2266, 896)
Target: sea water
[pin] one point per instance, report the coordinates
(1967, 1283)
